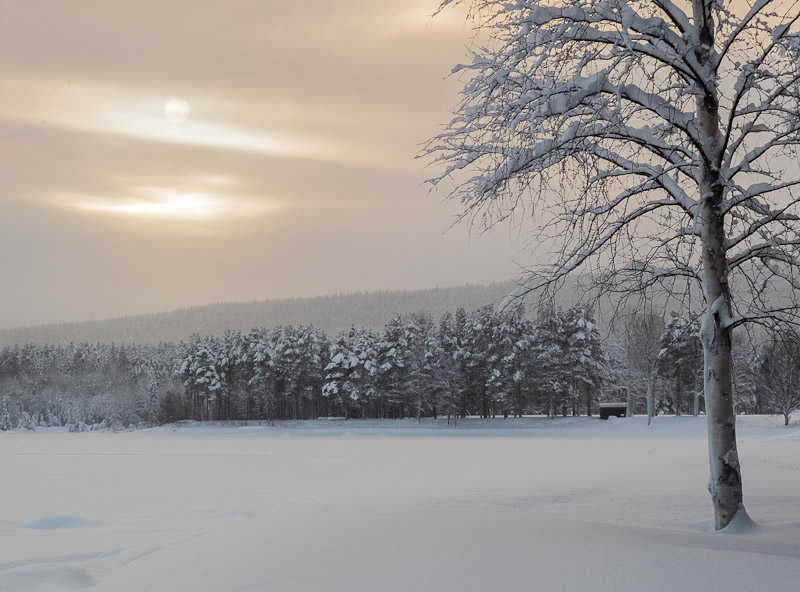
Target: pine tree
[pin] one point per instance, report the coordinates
(552, 371)
(6, 422)
(264, 357)
(681, 362)
(202, 372)
(350, 376)
(584, 354)
(447, 376)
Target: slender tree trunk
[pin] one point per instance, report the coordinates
(696, 392)
(588, 402)
(725, 480)
(649, 397)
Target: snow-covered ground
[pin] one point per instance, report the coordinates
(494, 505)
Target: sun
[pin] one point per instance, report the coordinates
(176, 110)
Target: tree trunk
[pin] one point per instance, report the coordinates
(725, 480)
(649, 397)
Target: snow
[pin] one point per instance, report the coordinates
(527, 504)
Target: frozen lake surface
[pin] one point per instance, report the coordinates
(493, 505)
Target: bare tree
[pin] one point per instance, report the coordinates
(636, 338)
(779, 376)
(654, 141)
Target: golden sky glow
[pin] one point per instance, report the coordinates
(171, 204)
(289, 169)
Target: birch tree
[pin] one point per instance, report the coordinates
(653, 141)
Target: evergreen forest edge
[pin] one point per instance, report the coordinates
(482, 363)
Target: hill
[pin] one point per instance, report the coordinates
(331, 313)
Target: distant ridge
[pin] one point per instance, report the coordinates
(331, 313)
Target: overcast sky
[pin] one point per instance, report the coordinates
(293, 174)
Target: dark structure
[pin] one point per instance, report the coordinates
(617, 409)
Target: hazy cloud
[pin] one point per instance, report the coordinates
(294, 173)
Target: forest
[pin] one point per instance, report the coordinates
(482, 363)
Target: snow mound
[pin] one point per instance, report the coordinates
(45, 578)
(741, 523)
(60, 523)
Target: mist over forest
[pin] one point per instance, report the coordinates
(334, 313)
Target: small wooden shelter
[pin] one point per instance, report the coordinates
(617, 409)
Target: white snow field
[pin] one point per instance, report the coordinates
(494, 505)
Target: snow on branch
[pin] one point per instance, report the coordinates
(675, 15)
(621, 120)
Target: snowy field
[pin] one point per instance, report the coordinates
(494, 505)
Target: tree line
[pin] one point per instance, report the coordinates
(481, 363)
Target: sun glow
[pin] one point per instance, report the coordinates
(176, 110)
(174, 206)
(165, 204)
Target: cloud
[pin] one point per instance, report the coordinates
(129, 112)
(293, 175)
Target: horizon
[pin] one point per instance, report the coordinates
(331, 295)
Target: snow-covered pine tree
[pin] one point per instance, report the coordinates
(202, 377)
(680, 362)
(461, 354)
(509, 361)
(478, 348)
(290, 371)
(392, 370)
(419, 331)
(311, 345)
(6, 421)
(552, 372)
(447, 379)
(584, 354)
(350, 376)
(264, 356)
(300, 369)
(239, 372)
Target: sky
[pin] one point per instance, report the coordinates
(286, 167)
